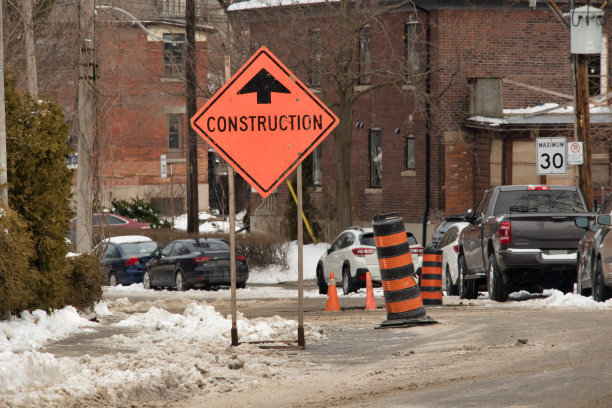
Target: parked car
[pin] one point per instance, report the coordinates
(449, 244)
(123, 257)
(444, 226)
(352, 254)
(107, 221)
(194, 263)
(594, 274)
(521, 238)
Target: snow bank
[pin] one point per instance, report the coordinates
(156, 352)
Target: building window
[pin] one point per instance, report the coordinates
(365, 58)
(171, 8)
(173, 56)
(410, 162)
(317, 173)
(375, 158)
(314, 71)
(411, 50)
(175, 133)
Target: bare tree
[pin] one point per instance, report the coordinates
(347, 50)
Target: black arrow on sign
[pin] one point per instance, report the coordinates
(264, 84)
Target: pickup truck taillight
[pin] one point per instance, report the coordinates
(504, 232)
(363, 251)
(417, 251)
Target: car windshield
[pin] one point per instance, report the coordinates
(538, 201)
(212, 245)
(138, 248)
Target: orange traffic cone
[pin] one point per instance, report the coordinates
(332, 304)
(370, 302)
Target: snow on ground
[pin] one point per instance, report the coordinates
(162, 353)
(209, 222)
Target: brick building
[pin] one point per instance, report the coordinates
(431, 145)
(141, 96)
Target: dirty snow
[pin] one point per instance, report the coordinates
(157, 352)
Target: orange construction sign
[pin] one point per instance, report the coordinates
(264, 122)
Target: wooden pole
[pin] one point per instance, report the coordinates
(3, 165)
(583, 126)
(193, 222)
(86, 115)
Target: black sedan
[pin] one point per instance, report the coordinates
(197, 263)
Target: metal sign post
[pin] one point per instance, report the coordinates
(232, 229)
(300, 233)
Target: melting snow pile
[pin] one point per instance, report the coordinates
(156, 354)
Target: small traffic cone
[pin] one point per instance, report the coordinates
(332, 304)
(370, 302)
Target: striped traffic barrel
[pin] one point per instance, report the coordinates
(431, 277)
(401, 291)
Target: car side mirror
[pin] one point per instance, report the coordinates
(582, 222)
(469, 215)
(604, 219)
(329, 250)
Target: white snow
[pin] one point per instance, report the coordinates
(209, 222)
(158, 351)
(127, 239)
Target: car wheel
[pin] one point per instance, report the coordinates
(321, 281)
(180, 282)
(466, 286)
(347, 283)
(241, 285)
(112, 280)
(146, 279)
(451, 290)
(495, 281)
(601, 292)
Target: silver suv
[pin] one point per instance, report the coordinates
(351, 255)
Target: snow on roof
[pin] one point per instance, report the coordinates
(259, 4)
(127, 239)
(548, 113)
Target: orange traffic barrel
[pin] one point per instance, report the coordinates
(402, 295)
(431, 277)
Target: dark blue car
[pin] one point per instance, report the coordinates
(123, 258)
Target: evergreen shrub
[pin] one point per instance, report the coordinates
(17, 278)
(140, 210)
(84, 281)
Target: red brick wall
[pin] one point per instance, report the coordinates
(133, 103)
(520, 44)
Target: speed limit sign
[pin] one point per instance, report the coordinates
(551, 155)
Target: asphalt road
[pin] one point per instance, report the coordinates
(478, 354)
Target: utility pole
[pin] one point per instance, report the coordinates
(583, 126)
(3, 167)
(30, 48)
(87, 77)
(193, 224)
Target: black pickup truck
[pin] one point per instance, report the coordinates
(521, 238)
